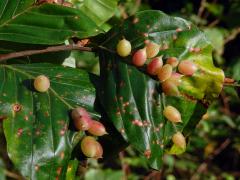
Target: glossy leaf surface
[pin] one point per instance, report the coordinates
(39, 140)
(26, 22)
(133, 100)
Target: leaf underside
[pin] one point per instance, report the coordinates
(129, 96)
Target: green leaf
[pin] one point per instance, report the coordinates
(38, 139)
(2, 174)
(97, 10)
(176, 150)
(9, 9)
(43, 24)
(72, 169)
(54, 57)
(133, 100)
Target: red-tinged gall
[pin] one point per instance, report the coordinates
(41, 83)
(91, 148)
(172, 114)
(173, 61)
(179, 140)
(176, 78)
(124, 48)
(170, 88)
(165, 72)
(97, 128)
(152, 49)
(139, 57)
(79, 112)
(99, 152)
(154, 66)
(187, 67)
(82, 123)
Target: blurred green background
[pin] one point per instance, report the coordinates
(213, 151)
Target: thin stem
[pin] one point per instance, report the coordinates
(233, 85)
(106, 49)
(12, 55)
(13, 175)
(2, 118)
(201, 8)
(232, 35)
(125, 167)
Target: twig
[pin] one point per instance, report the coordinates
(125, 167)
(230, 82)
(13, 175)
(232, 36)
(12, 55)
(205, 164)
(123, 12)
(135, 7)
(201, 9)
(214, 23)
(2, 118)
(154, 175)
(225, 100)
(233, 84)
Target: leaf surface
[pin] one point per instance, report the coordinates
(39, 141)
(25, 22)
(134, 101)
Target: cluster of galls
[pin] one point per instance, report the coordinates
(165, 73)
(169, 79)
(83, 122)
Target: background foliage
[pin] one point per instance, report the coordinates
(214, 148)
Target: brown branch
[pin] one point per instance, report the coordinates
(204, 165)
(12, 55)
(2, 117)
(214, 23)
(125, 167)
(13, 175)
(201, 8)
(232, 36)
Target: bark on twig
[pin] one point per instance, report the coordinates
(12, 55)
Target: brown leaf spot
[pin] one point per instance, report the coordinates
(122, 130)
(59, 170)
(147, 153)
(16, 107)
(62, 155)
(19, 132)
(26, 118)
(145, 34)
(174, 37)
(178, 30)
(62, 132)
(36, 168)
